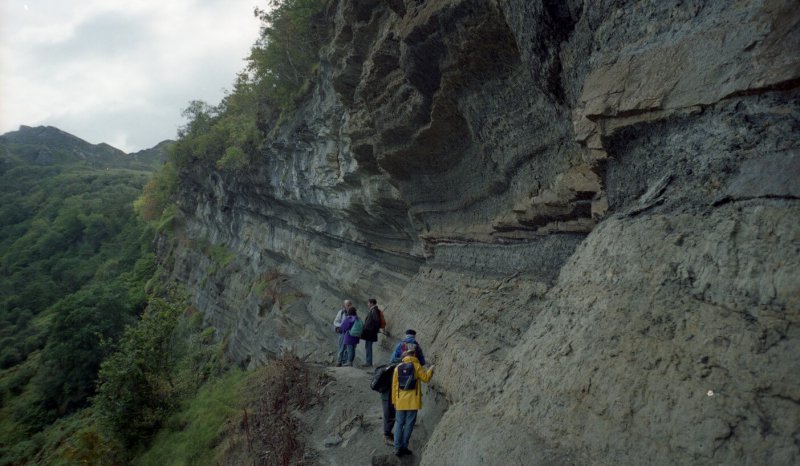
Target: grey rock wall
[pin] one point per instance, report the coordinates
(588, 210)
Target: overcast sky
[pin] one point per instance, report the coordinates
(118, 72)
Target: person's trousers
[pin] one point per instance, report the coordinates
(349, 355)
(368, 350)
(403, 426)
(388, 414)
(340, 350)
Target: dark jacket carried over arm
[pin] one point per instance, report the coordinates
(372, 325)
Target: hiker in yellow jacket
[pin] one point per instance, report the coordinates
(407, 397)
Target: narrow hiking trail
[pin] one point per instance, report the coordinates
(347, 427)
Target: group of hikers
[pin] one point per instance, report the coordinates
(398, 382)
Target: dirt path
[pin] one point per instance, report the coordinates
(347, 428)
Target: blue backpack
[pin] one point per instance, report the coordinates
(406, 379)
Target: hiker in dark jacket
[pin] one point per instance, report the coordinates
(389, 412)
(373, 324)
(410, 337)
(350, 342)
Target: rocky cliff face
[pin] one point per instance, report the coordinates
(588, 210)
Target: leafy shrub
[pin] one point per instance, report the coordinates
(281, 64)
(75, 347)
(71, 440)
(9, 356)
(234, 159)
(135, 386)
(220, 255)
(284, 58)
(157, 192)
(19, 379)
(191, 435)
(161, 360)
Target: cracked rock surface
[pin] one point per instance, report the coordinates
(588, 210)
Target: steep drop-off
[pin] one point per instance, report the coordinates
(590, 212)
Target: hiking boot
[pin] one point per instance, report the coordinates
(398, 452)
(338, 364)
(366, 365)
(405, 451)
(388, 440)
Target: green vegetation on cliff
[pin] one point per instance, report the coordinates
(279, 71)
(280, 68)
(74, 262)
(161, 361)
(228, 136)
(97, 357)
(97, 353)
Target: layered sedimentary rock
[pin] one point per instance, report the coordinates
(589, 211)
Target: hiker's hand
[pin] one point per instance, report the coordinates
(431, 368)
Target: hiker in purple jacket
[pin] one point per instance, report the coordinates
(350, 341)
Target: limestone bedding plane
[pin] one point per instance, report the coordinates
(589, 211)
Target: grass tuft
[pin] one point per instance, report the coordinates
(191, 436)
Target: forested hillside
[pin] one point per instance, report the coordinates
(69, 239)
(75, 259)
(102, 361)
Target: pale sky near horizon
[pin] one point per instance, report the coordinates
(118, 72)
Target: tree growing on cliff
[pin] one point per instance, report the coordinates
(281, 65)
(157, 193)
(283, 60)
(161, 361)
(75, 348)
(134, 387)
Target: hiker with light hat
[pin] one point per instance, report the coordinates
(337, 327)
(351, 328)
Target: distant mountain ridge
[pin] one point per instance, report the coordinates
(48, 145)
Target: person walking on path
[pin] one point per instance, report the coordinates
(337, 327)
(409, 338)
(382, 383)
(351, 328)
(407, 397)
(389, 417)
(373, 324)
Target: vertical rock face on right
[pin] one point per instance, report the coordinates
(671, 335)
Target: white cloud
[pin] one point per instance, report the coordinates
(118, 72)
